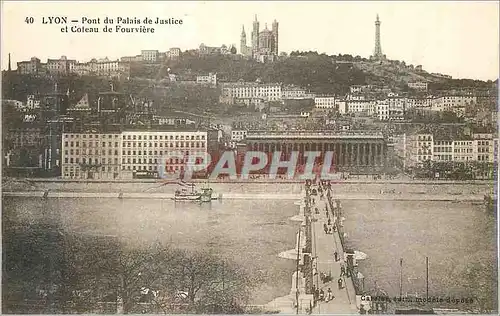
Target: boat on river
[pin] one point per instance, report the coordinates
(201, 195)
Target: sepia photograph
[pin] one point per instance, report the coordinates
(248, 157)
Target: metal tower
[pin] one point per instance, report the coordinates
(378, 49)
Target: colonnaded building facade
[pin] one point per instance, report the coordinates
(352, 151)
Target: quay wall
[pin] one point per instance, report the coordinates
(255, 187)
(245, 196)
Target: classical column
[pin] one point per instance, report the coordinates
(384, 151)
(301, 154)
(361, 154)
(368, 157)
(345, 154)
(347, 161)
(374, 155)
(367, 154)
(353, 154)
(379, 155)
(358, 154)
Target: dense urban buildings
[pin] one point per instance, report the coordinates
(368, 108)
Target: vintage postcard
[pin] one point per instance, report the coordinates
(236, 157)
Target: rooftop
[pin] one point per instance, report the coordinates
(312, 135)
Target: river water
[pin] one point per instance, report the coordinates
(253, 233)
(456, 237)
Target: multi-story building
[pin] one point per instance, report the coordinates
(360, 106)
(383, 110)
(418, 85)
(484, 147)
(174, 53)
(33, 66)
(81, 69)
(121, 155)
(463, 150)
(102, 67)
(149, 55)
(91, 156)
(419, 148)
(480, 148)
(209, 50)
(324, 102)
(60, 66)
(455, 103)
(210, 79)
(359, 88)
(397, 106)
(128, 59)
(419, 102)
(238, 135)
(144, 150)
(341, 106)
(23, 145)
(292, 92)
(443, 148)
(354, 97)
(250, 90)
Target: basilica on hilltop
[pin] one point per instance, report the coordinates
(264, 43)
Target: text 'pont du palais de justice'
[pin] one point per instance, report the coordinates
(106, 24)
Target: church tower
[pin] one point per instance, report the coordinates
(255, 36)
(9, 69)
(275, 39)
(243, 42)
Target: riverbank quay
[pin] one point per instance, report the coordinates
(473, 198)
(260, 179)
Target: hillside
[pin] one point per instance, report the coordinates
(318, 73)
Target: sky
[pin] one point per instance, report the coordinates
(456, 38)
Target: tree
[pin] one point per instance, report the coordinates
(209, 282)
(84, 273)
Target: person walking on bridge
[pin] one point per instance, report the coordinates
(329, 295)
(341, 283)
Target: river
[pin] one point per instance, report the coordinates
(456, 237)
(252, 233)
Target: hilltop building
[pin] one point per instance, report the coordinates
(264, 43)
